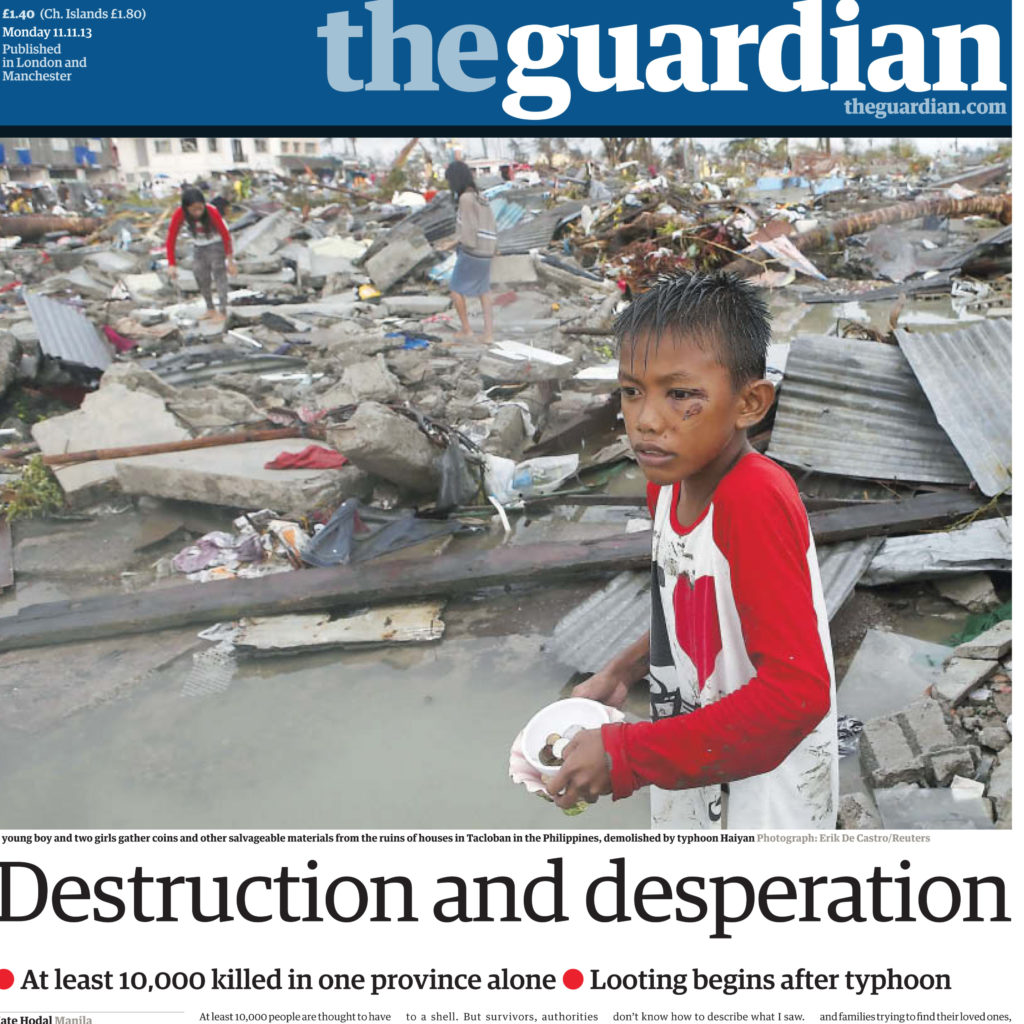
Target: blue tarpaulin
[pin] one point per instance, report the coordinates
(24, 156)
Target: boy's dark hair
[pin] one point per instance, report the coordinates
(718, 310)
(459, 176)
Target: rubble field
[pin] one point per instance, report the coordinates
(240, 559)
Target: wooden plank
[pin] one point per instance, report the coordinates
(318, 589)
(887, 518)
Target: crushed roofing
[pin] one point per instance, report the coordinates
(967, 377)
(855, 408)
(67, 335)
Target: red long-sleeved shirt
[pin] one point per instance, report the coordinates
(178, 218)
(742, 690)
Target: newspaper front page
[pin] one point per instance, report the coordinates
(317, 492)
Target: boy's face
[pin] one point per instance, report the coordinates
(681, 411)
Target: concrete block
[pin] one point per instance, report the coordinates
(415, 305)
(908, 807)
(398, 259)
(263, 237)
(510, 270)
(234, 476)
(960, 676)
(856, 810)
(886, 755)
(949, 763)
(993, 643)
(388, 446)
(973, 591)
(995, 737)
(371, 381)
(927, 726)
(112, 417)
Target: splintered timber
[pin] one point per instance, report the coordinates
(723, 901)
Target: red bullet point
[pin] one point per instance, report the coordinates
(572, 978)
(6, 978)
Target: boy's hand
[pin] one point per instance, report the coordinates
(232, 267)
(605, 686)
(172, 272)
(585, 773)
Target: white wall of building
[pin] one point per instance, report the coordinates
(191, 159)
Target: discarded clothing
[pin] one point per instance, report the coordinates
(311, 457)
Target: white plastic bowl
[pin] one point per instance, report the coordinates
(557, 717)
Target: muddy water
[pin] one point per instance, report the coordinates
(411, 737)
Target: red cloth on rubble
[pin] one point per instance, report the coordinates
(313, 457)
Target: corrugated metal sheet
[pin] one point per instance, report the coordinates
(536, 233)
(966, 376)
(855, 408)
(841, 566)
(507, 215)
(589, 636)
(981, 546)
(998, 236)
(67, 335)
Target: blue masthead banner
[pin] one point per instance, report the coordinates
(529, 66)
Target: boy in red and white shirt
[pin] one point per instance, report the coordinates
(738, 658)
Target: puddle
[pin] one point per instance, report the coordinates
(412, 737)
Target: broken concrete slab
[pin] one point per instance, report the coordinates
(263, 237)
(371, 381)
(416, 305)
(909, 807)
(389, 446)
(856, 810)
(398, 259)
(135, 378)
(512, 270)
(113, 262)
(82, 281)
(234, 476)
(110, 417)
(146, 287)
(886, 754)
(208, 407)
(889, 671)
(993, 643)
(973, 591)
(960, 676)
(40, 688)
(333, 255)
(96, 549)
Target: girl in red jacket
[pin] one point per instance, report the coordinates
(211, 249)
